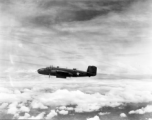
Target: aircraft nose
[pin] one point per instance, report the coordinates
(39, 71)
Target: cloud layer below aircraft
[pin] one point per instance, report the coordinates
(55, 102)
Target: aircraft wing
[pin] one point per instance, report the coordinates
(61, 73)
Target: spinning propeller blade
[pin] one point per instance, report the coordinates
(50, 70)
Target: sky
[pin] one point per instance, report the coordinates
(114, 35)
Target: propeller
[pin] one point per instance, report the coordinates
(50, 70)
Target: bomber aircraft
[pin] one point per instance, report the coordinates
(64, 72)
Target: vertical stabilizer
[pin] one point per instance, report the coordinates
(92, 70)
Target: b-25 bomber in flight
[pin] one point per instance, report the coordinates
(64, 72)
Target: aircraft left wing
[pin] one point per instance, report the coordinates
(63, 74)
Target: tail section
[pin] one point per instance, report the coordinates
(92, 70)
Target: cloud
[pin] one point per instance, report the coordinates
(104, 113)
(36, 105)
(109, 33)
(94, 118)
(123, 115)
(113, 94)
(147, 109)
(85, 102)
(12, 108)
(63, 112)
(26, 116)
(3, 105)
(70, 108)
(47, 13)
(62, 108)
(15, 109)
(15, 97)
(39, 116)
(93, 102)
(24, 109)
(51, 114)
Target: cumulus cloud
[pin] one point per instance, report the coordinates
(85, 102)
(36, 105)
(26, 116)
(77, 101)
(69, 108)
(63, 112)
(62, 108)
(17, 91)
(38, 98)
(93, 102)
(104, 113)
(94, 118)
(39, 116)
(123, 115)
(24, 109)
(51, 114)
(3, 105)
(65, 109)
(147, 109)
(15, 109)
(12, 108)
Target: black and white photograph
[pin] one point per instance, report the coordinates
(76, 59)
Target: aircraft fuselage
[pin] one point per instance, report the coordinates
(64, 72)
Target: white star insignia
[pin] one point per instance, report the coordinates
(78, 73)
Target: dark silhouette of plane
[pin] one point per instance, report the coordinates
(64, 72)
